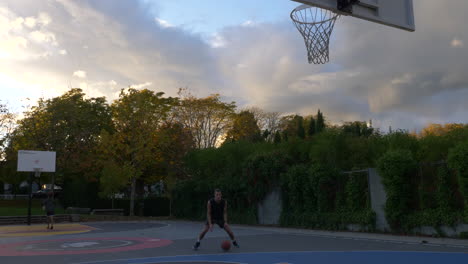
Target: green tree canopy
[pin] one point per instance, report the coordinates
(137, 115)
(207, 119)
(244, 127)
(69, 124)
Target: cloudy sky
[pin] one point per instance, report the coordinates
(248, 51)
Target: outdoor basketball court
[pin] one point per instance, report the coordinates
(171, 242)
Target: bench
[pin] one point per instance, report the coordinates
(107, 212)
(78, 210)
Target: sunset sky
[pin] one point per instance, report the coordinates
(248, 51)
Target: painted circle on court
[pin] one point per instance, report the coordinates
(196, 262)
(80, 246)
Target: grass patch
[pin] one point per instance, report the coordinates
(20, 208)
(94, 218)
(23, 211)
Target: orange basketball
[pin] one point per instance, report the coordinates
(226, 245)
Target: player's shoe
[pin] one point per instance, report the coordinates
(196, 246)
(235, 244)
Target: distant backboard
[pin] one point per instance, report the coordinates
(30, 160)
(394, 13)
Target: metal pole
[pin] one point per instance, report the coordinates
(53, 186)
(30, 197)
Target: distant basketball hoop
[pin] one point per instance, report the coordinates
(36, 161)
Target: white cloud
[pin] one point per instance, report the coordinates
(391, 76)
(30, 22)
(12, 47)
(20, 41)
(141, 85)
(16, 24)
(248, 23)
(217, 41)
(404, 79)
(43, 37)
(44, 19)
(9, 21)
(163, 23)
(456, 43)
(83, 85)
(80, 74)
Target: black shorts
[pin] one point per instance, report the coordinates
(50, 213)
(219, 222)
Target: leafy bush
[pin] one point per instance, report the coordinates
(396, 168)
(315, 197)
(457, 160)
(262, 173)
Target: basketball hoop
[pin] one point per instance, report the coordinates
(315, 25)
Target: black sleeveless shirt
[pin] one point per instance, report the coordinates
(217, 209)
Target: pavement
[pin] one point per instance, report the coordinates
(172, 241)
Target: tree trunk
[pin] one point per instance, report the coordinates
(132, 197)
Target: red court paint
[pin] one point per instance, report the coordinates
(80, 246)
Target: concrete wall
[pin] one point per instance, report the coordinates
(378, 197)
(269, 210)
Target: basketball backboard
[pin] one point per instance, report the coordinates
(394, 13)
(29, 160)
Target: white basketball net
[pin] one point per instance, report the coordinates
(315, 25)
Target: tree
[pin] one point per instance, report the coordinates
(7, 123)
(287, 126)
(137, 115)
(272, 123)
(267, 122)
(70, 125)
(265, 135)
(114, 177)
(300, 126)
(293, 126)
(284, 136)
(311, 130)
(320, 124)
(259, 115)
(8, 173)
(173, 143)
(277, 138)
(439, 130)
(207, 119)
(244, 127)
(357, 128)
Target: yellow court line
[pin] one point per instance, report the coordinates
(45, 233)
(37, 227)
(40, 230)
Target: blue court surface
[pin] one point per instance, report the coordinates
(307, 257)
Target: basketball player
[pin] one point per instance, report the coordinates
(216, 214)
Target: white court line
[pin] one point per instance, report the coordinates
(196, 261)
(382, 241)
(456, 246)
(274, 252)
